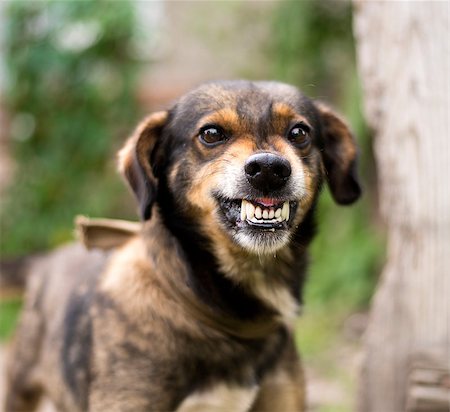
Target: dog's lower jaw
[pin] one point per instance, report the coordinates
(264, 242)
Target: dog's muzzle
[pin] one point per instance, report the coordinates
(259, 213)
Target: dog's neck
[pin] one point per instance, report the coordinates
(235, 282)
(204, 295)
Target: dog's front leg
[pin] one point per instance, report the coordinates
(284, 388)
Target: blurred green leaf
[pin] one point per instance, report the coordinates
(9, 315)
(71, 95)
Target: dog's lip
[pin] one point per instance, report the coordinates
(266, 201)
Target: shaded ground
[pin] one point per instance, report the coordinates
(45, 406)
(332, 377)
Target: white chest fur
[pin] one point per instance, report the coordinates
(220, 398)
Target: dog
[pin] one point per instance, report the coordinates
(196, 311)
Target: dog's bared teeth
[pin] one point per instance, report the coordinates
(243, 210)
(285, 211)
(250, 210)
(258, 214)
(254, 220)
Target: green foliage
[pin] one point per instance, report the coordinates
(70, 91)
(313, 48)
(9, 313)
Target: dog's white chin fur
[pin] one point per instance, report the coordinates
(263, 243)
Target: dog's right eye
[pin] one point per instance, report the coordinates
(212, 135)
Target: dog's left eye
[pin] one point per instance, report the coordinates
(212, 135)
(299, 135)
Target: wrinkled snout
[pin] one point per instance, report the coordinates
(267, 172)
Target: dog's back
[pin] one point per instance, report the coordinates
(53, 338)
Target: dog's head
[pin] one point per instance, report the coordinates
(243, 161)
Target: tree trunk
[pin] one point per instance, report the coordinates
(403, 58)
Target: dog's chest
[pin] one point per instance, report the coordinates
(278, 298)
(220, 398)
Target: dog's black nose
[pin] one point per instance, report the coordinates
(267, 171)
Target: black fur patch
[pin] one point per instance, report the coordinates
(77, 345)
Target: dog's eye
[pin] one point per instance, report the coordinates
(212, 135)
(299, 135)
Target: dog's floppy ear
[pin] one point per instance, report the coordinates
(135, 157)
(339, 157)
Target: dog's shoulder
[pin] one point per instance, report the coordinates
(137, 284)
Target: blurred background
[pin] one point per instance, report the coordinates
(75, 77)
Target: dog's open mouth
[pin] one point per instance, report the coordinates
(261, 213)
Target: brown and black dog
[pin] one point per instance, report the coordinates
(196, 312)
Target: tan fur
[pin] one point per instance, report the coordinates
(220, 398)
(227, 117)
(149, 286)
(125, 156)
(280, 390)
(283, 115)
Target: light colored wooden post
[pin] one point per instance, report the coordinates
(403, 58)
